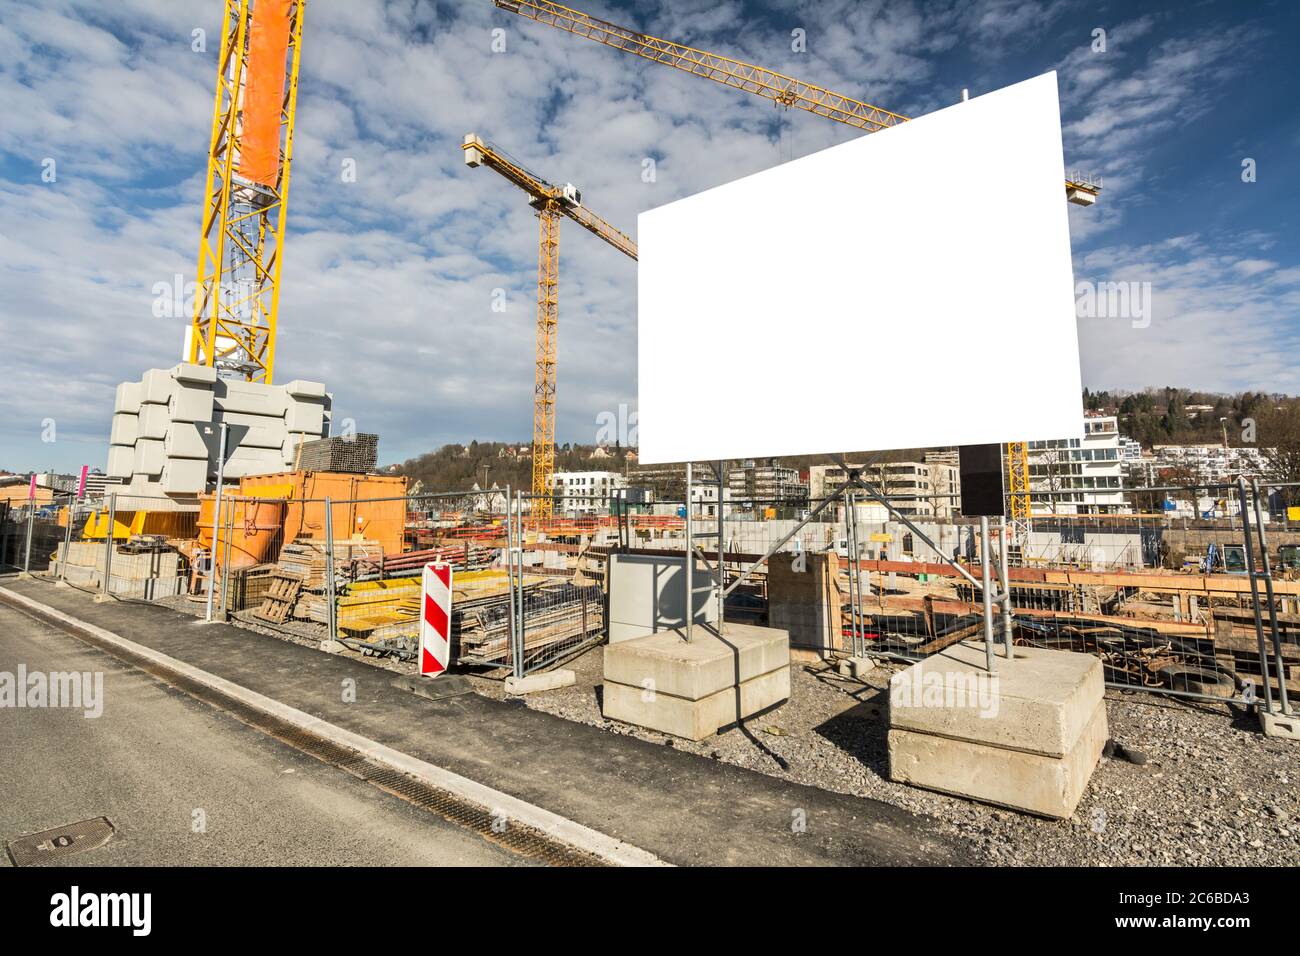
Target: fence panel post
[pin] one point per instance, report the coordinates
(986, 561)
(508, 554)
(331, 609)
(31, 523)
(226, 601)
(1278, 659)
(517, 592)
(67, 540)
(105, 585)
(1254, 594)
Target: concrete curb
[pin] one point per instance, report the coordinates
(560, 828)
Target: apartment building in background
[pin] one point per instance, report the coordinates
(1079, 476)
(923, 489)
(585, 492)
(766, 483)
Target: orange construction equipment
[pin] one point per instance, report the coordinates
(254, 527)
(367, 506)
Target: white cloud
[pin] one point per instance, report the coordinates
(388, 280)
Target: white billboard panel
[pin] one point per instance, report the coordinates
(909, 288)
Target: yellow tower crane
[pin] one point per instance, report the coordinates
(551, 202)
(241, 235)
(785, 91)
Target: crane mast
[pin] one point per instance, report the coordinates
(241, 233)
(552, 203)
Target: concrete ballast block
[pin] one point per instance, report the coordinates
(192, 374)
(149, 457)
(694, 689)
(121, 461)
(127, 398)
(154, 421)
(1026, 736)
(1044, 698)
(1039, 784)
(191, 404)
(251, 398)
(1274, 723)
(184, 476)
(702, 667)
(184, 441)
(532, 683)
(156, 388)
(696, 719)
(125, 429)
(304, 416)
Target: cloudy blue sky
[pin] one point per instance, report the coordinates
(388, 281)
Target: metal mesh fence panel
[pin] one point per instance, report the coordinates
(1175, 594)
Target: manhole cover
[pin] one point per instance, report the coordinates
(54, 845)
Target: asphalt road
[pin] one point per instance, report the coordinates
(156, 761)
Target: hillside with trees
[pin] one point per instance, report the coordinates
(1154, 416)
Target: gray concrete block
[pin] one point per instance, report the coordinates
(263, 431)
(127, 398)
(667, 664)
(299, 388)
(253, 461)
(695, 719)
(121, 461)
(184, 441)
(156, 386)
(1274, 723)
(192, 374)
(647, 594)
(547, 680)
(149, 457)
(153, 422)
(1035, 783)
(304, 416)
(125, 429)
(1041, 701)
(856, 668)
(249, 397)
(191, 404)
(184, 476)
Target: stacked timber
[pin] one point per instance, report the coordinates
(306, 558)
(388, 611)
(554, 613)
(374, 609)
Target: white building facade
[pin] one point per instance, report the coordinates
(1080, 476)
(585, 492)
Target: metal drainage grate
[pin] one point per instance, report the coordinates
(527, 842)
(51, 846)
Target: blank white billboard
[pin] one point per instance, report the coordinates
(909, 288)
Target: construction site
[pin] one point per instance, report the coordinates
(1145, 668)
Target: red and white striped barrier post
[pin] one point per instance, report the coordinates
(435, 622)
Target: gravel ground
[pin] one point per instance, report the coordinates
(1212, 792)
